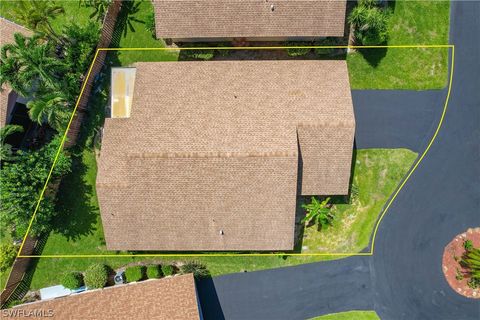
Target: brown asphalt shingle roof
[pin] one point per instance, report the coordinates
(212, 147)
(169, 298)
(249, 18)
(7, 31)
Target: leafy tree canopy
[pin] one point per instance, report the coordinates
(21, 183)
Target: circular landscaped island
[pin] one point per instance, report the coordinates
(459, 258)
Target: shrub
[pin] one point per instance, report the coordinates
(297, 52)
(72, 280)
(96, 276)
(154, 271)
(134, 273)
(198, 269)
(318, 212)
(370, 23)
(150, 24)
(168, 270)
(468, 245)
(8, 252)
(325, 42)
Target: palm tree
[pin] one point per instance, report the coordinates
(319, 212)
(28, 62)
(37, 15)
(50, 107)
(6, 152)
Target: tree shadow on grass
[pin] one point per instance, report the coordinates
(126, 21)
(77, 217)
(374, 55)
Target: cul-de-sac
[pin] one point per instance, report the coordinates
(240, 159)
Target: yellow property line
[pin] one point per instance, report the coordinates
(385, 210)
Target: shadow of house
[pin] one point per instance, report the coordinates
(208, 299)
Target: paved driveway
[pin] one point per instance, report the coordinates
(403, 280)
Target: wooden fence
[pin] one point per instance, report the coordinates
(104, 42)
(18, 282)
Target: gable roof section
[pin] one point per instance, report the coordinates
(249, 18)
(208, 158)
(168, 298)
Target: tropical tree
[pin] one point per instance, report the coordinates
(6, 152)
(37, 15)
(318, 212)
(50, 107)
(21, 183)
(28, 62)
(370, 23)
(100, 7)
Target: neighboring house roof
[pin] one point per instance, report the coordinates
(168, 298)
(249, 18)
(208, 159)
(7, 31)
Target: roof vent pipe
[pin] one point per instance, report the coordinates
(272, 7)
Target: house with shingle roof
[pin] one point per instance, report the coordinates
(167, 298)
(250, 20)
(8, 97)
(212, 155)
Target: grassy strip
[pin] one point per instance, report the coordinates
(377, 172)
(350, 315)
(412, 22)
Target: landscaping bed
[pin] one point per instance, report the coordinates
(376, 175)
(457, 275)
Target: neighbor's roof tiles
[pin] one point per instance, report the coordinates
(169, 298)
(249, 18)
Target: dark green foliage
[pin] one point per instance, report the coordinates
(297, 52)
(471, 262)
(150, 24)
(135, 273)
(468, 245)
(29, 62)
(96, 276)
(8, 252)
(72, 280)
(199, 270)
(370, 23)
(154, 271)
(318, 212)
(325, 42)
(21, 183)
(81, 43)
(168, 270)
(6, 152)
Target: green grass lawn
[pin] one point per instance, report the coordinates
(73, 12)
(377, 173)
(412, 22)
(135, 35)
(350, 315)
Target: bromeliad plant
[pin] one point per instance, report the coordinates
(471, 262)
(319, 212)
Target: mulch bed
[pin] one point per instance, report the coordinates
(455, 250)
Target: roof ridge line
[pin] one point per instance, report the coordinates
(200, 155)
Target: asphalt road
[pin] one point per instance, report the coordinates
(403, 279)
